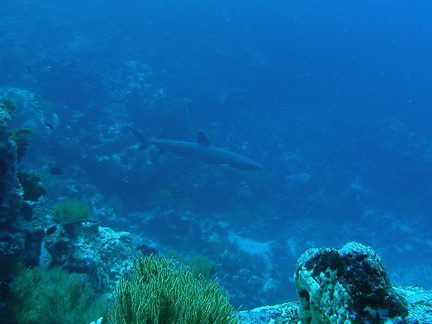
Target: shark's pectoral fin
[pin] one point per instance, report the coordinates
(202, 139)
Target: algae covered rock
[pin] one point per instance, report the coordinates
(349, 285)
(12, 239)
(86, 247)
(11, 192)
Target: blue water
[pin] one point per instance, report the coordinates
(333, 98)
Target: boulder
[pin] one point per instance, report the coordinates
(349, 285)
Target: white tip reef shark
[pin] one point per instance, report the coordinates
(200, 150)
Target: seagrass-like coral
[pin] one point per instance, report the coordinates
(49, 296)
(71, 210)
(160, 292)
(199, 264)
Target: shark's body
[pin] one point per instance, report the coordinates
(200, 150)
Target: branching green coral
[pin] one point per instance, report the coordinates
(161, 293)
(51, 296)
(22, 139)
(70, 211)
(31, 183)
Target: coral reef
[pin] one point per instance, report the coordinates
(160, 292)
(350, 284)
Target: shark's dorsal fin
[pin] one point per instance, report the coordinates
(202, 139)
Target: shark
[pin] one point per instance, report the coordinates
(200, 150)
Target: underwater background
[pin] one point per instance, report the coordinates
(332, 98)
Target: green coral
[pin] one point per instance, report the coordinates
(198, 264)
(50, 296)
(7, 105)
(22, 138)
(32, 186)
(159, 292)
(70, 211)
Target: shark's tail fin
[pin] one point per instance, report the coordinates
(142, 138)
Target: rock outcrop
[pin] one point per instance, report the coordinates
(349, 285)
(11, 193)
(85, 247)
(12, 239)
